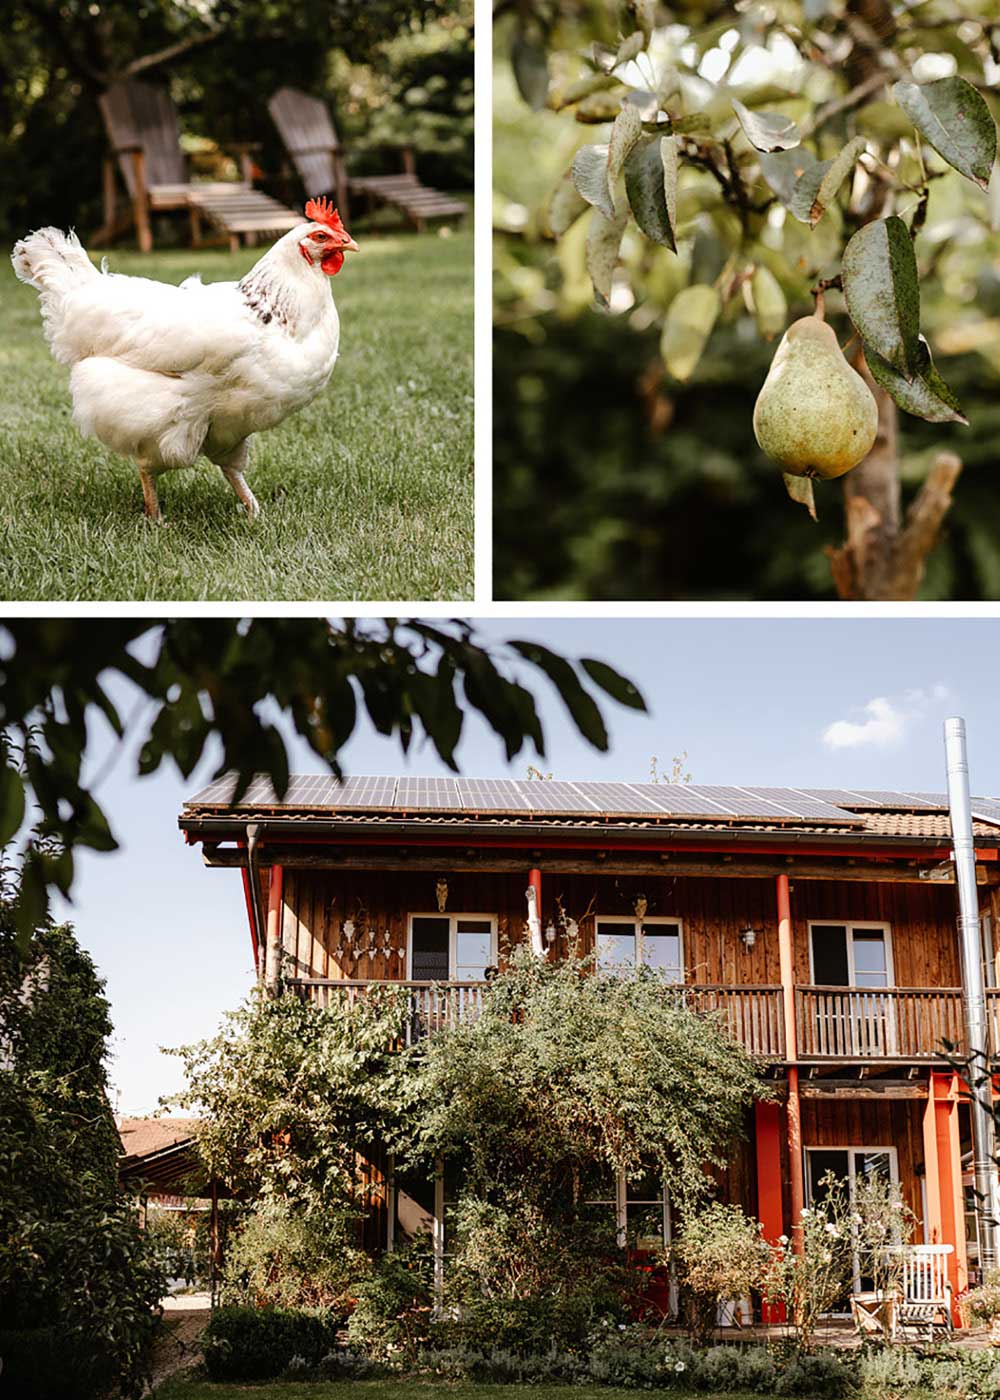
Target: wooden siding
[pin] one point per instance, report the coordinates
(713, 912)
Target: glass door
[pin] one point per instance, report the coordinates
(850, 1165)
(860, 1021)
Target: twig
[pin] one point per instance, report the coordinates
(846, 103)
(153, 60)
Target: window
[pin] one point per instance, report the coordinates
(850, 955)
(451, 947)
(623, 943)
(848, 1164)
(639, 1209)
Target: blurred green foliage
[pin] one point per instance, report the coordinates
(614, 481)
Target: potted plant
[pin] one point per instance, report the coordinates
(982, 1305)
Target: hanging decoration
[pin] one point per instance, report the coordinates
(441, 890)
(641, 905)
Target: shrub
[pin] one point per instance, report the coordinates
(43, 1363)
(982, 1304)
(722, 1256)
(391, 1317)
(524, 1326)
(279, 1258)
(256, 1344)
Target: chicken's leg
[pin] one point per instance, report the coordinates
(232, 468)
(151, 501)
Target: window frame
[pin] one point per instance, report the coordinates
(636, 924)
(491, 919)
(886, 1149)
(848, 925)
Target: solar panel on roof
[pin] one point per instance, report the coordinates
(805, 805)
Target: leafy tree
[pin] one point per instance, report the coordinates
(567, 1078)
(206, 679)
(79, 1287)
(740, 162)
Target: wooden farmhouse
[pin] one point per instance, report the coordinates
(821, 925)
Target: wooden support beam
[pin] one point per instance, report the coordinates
(864, 1089)
(488, 861)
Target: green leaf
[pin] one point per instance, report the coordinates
(604, 238)
(767, 131)
(615, 685)
(11, 803)
(590, 175)
(879, 271)
(581, 706)
(564, 207)
(816, 187)
(689, 323)
(651, 186)
(583, 87)
(784, 169)
(624, 134)
(954, 118)
(927, 396)
(800, 488)
(531, 68)
(769, 304)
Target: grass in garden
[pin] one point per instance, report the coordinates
(365, 494)
(183, 1389)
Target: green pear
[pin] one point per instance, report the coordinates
(815, 414)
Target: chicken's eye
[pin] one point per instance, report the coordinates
(318, 237)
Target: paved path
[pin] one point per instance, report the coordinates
(184, 1319)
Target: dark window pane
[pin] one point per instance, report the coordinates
(429, 961)
(829, 948)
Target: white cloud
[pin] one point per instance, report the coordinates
(885, 722)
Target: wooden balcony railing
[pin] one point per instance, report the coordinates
(752, 1015)
(866, 1023)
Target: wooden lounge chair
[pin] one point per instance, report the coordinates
(924, 1305)
(144, 140)
(309, 137)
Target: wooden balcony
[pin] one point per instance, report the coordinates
(752, 1015)
(863, 1023)
(842, 1025)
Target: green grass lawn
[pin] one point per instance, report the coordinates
(183, 1389)
(365, 494)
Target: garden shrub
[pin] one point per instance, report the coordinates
(279, 1258)
(392, 1312)
(256, 1344)
(71, 1251)
(723, 1257)
(532, 1325)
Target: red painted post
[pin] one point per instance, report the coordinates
(535, 881)
(767, 1140)
(793, 1114)
(945, 1223)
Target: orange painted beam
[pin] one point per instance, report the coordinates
(793, 1116)
(770, 1211)
(943, 1159)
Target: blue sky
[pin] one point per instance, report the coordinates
(821, 703)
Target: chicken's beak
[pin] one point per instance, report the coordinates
(350, 246)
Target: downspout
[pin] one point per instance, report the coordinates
(534, 897)
(973, 990)
(793, 1112)
(253, 900)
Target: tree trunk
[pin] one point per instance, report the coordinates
(882, 558)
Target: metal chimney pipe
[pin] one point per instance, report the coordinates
(973, 990)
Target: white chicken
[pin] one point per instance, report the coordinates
(164, 374)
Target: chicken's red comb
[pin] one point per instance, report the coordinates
(321, 211)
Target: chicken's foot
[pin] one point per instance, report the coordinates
(232, 469)
(151, 501)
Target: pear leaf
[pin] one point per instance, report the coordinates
(689, 323)
(630, 48)
(927, 396)
(817, 186)
(770, 307)
(767, 131)
(603, 57)
(590, 175)
(531, 68)
(954, 118)
(604, 238)
(583, 87)
(784, 169)
(624, 134)
(565, 205)
(11, 803)
(651, 186)
(800, 488)
(879, 271)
